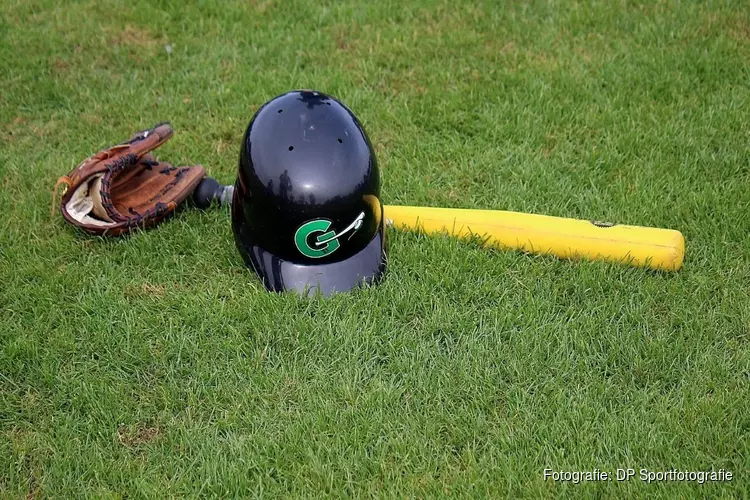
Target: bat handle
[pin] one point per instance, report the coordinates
(210, 190)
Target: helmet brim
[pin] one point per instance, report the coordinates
(279, 275)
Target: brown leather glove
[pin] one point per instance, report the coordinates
(123, 187)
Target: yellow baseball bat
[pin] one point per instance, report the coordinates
(649, 247)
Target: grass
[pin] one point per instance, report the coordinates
(156, 365)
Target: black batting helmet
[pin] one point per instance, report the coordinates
(306, 209)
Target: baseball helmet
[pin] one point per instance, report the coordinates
(306, 209)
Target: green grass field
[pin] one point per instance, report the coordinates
(157, 365)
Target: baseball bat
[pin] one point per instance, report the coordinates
(648, 247)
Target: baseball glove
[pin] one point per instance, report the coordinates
(124, 187)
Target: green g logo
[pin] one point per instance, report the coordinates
(325, 242)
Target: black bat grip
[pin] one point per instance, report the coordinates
(209, 190)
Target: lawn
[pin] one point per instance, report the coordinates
(157, 366)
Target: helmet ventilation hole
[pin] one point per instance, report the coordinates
(279, 111)
(341, 141)
(291, 148)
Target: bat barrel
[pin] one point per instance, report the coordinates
(649, 247)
